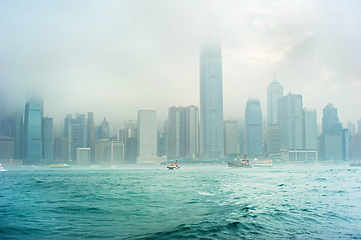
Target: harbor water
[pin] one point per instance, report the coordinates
(282, 202)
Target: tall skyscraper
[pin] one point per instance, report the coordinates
(91, 136)
(78, 132)
(274, 92)
(254, 131)
(104, 130)
(290, 121)
(330, 122)
(147, 136)
(359, 126)
(333, 143)
(68, 133)
(183, 132)
(48, 140)
(17, 131)
(211, 100)
(351, 128)
(32, 134)
(230, 139)
(310, 129)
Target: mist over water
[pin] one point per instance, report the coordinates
(290, 202)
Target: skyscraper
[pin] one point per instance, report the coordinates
(91, 136)
(211, 100)
(310, 130)
(104, 130)
(32, 134)
(274, 92)
(78, 134)
(230, 139)
(48, 139)
(254, 132)
(351, 128)
(359, 126)
(290, 120)
(330, 122)
(147, 136)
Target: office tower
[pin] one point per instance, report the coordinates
(356, 146)
(6, 147)
(129, 137)
(176, 132)
(330, 122)
(211, 100)
(131, 126)
(104, 130)
(48, 140)
(17, 130)
(230, 139)
(345, 140)
(183, 128)
(165, 139)
(91, 136)
(331, 138)
(274, 92)
(61, 146)
(359, 126)
(32, 134)
(78, 132)
(290, 121)
(351, 128)
(109, 151)
(68, 133)
(254, 132)
(147, 136)
(83, 156)
(310, 129)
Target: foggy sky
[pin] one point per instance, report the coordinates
(115, 57)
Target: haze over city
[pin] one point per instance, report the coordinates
(113, 58)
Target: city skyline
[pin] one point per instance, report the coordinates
(87, 66)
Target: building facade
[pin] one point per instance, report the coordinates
(230, 139)
(147, 136)
(254, 131)
(48, 140)
(32, 134)
(211, 100)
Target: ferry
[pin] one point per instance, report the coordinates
(61, 165)
(173, 166)
(237, 163)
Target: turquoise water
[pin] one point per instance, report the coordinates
(289, 202)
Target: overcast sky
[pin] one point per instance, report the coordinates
(115, 57)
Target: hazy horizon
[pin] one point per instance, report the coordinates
(116, 57)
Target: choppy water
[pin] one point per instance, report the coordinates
(194, 203)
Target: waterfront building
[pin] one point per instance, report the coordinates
(68, 133)
(359, 126)
(310, 129)
(290, 120)
(83, 156)
(91, 136)
(17, 130)
(48, 140)
(254, 131)
(109, 151)
(104, 130)
(78, 133)
(274, 92)
(230, 139)
(356, 147)
(6, 147)
(32, 134)
(330, 121)
(211, 100)
(61, 145)
(147, 136)
(183, 132)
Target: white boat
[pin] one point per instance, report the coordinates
(2, 168)
(173, 166)
(61, 165)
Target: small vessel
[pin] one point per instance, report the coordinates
(2, 169)
(61, 165)
(355, 164)
(173, 166)
(237, 163)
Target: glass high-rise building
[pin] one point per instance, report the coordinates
(48, 139)
(32, 134)
(274, 92)
(254, 132)
(91, 136)
(290, 121)
(147, 135)
(330, 122)
(211, 100)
